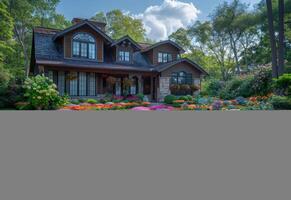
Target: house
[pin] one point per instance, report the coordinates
(82, 58)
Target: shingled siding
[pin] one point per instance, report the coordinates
(165, 48)
(99, 43)
(185, 67)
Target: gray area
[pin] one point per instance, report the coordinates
(145, 156)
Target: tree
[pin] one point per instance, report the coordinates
(28, 14)
(6, 31)
(100, 17)
(120, 24)
(215, 43)
(272, 38)
(182, 38)
(281, 44)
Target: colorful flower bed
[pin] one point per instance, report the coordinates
(194, 104)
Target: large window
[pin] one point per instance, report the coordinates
(73, 84)
(124, 56)
(82, 84)
(164, 57)
(182, 78)
(84, 46)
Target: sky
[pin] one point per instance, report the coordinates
(160, 17)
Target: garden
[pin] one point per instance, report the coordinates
(256, 91)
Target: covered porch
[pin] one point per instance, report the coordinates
(81, 83)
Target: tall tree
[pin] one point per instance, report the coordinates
(281, 44)
(226, 19)
(182, 38)
(272, 38)
(215, 43)
(6, 30)
(6, 33)
(120, 24)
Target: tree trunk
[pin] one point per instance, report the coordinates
(233, 45)
(281, 60)
(272, 38)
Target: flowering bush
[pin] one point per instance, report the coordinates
(41, 93)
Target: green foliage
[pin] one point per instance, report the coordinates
(92, 101)
(182, 38)
(120, 24)
(12, 95)
(6, 31)
(75, 101)
(5, 77)
(281, 103)
(140, 96)
(41, 93)
(213, 87)
(262, 84)
(283, 84)
(170, 99)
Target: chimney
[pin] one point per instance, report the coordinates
(100, 25)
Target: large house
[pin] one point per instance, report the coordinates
(82, 58)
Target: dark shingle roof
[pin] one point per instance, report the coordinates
(166, 66)
(162, 43)
(85, 22)
(93, 65)
(46, 48)
(137, 46)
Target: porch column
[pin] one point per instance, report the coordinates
(164, 87)
(140, 84)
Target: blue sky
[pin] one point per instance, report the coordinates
(161, 17)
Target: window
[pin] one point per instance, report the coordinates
(84, 46)
(82, 84)
(92, 84)
(182, 78)
(73, 84)
(165, 57)
(124, 56)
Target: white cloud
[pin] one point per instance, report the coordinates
(162, 20)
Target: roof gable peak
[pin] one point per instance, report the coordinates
(81, 24)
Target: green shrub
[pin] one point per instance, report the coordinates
(75, 102)
(42, 94)
(170, 99)
(262, 84)
(281, 103)
(231, 89)
(92, 101)
(283, 84)
(140, 96)
(13, 94)
(5, 77)
(184, 98)
(82, 100)
(213, 87)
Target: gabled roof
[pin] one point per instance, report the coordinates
(162, 43)
(76, 26)
(127, 37)
(166, 66)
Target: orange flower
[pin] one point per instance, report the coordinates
(179, 101)
(192, 107)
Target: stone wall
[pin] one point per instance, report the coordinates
(164, 88)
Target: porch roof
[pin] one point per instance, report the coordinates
(93, 65)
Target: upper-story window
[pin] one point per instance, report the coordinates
(164, 57)
(84, 46)
(124, 56)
